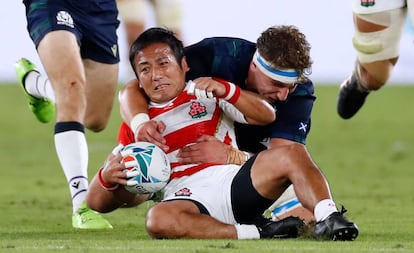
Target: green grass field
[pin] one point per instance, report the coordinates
(368, 161)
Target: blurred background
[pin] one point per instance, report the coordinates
(326, 23)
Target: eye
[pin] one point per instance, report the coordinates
(163, 63)
(143, 69)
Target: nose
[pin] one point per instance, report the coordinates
(156, 73)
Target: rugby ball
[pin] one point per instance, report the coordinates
(152, 165)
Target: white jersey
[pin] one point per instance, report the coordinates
(187, 118)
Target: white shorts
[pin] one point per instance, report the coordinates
(198, 187)
(379, 6)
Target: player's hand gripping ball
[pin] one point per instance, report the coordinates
(149, 166)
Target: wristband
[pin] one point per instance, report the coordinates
(232, 93)
(105, 185)
(237, 157)
(247, 155)
(138, 120)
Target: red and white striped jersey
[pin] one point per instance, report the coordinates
(187, 118)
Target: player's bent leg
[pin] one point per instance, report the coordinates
(42, 108)
(289, 205)
(376, 40)
(351, 95)
(101, 84)
(86, 218)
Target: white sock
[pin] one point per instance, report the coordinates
(39, 86)
(247, 232)
(324, 208)
(72, 151)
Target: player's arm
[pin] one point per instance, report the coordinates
(209, 149)
(106, 192)
(134, 111)
(254, 109)
(132, 101)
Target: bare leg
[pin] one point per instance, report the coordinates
(182, 219)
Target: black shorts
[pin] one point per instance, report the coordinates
(247, 203)
(93, 22)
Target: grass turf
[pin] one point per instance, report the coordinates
(368, 161)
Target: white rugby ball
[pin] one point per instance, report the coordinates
(152, 165)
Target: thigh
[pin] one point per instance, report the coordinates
(101, 84)
(59, 53)
(97, 21)
(410, 4)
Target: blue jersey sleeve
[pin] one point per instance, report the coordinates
(293, 116)
(223, 57)
(293, 121)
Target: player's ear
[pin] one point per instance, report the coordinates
(184, 65)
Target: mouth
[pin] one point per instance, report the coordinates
(159, 87)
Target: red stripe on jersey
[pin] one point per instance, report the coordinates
(186, 135)
(189, 171)
(125, 134)
(181, 99)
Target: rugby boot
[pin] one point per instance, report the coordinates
(86, 218)
(351, 97)
(42, 108)
(286, 228)
(336, 228)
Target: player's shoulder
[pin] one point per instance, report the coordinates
(304, 89)
(217, 42)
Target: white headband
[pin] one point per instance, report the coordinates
(284, 76)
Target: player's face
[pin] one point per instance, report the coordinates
(270, 89)
(159, 73)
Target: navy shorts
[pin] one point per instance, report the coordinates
(93, 22)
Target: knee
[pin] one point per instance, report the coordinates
(157, 223)
(96, 205)
(96, 124)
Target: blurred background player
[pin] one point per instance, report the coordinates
(134, 15)
(77, 44)
(378, 28)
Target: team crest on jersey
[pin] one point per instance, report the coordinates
(64, 18)
(197, 110)
(367, 3)
(183, 192)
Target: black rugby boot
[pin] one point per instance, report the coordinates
(336, 227)
(286, 228)
(351, 97)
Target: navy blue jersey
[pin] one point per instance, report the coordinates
(229, 59)
(93, 22)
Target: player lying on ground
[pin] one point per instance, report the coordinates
(207, 200)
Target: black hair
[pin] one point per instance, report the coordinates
(155, 35)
